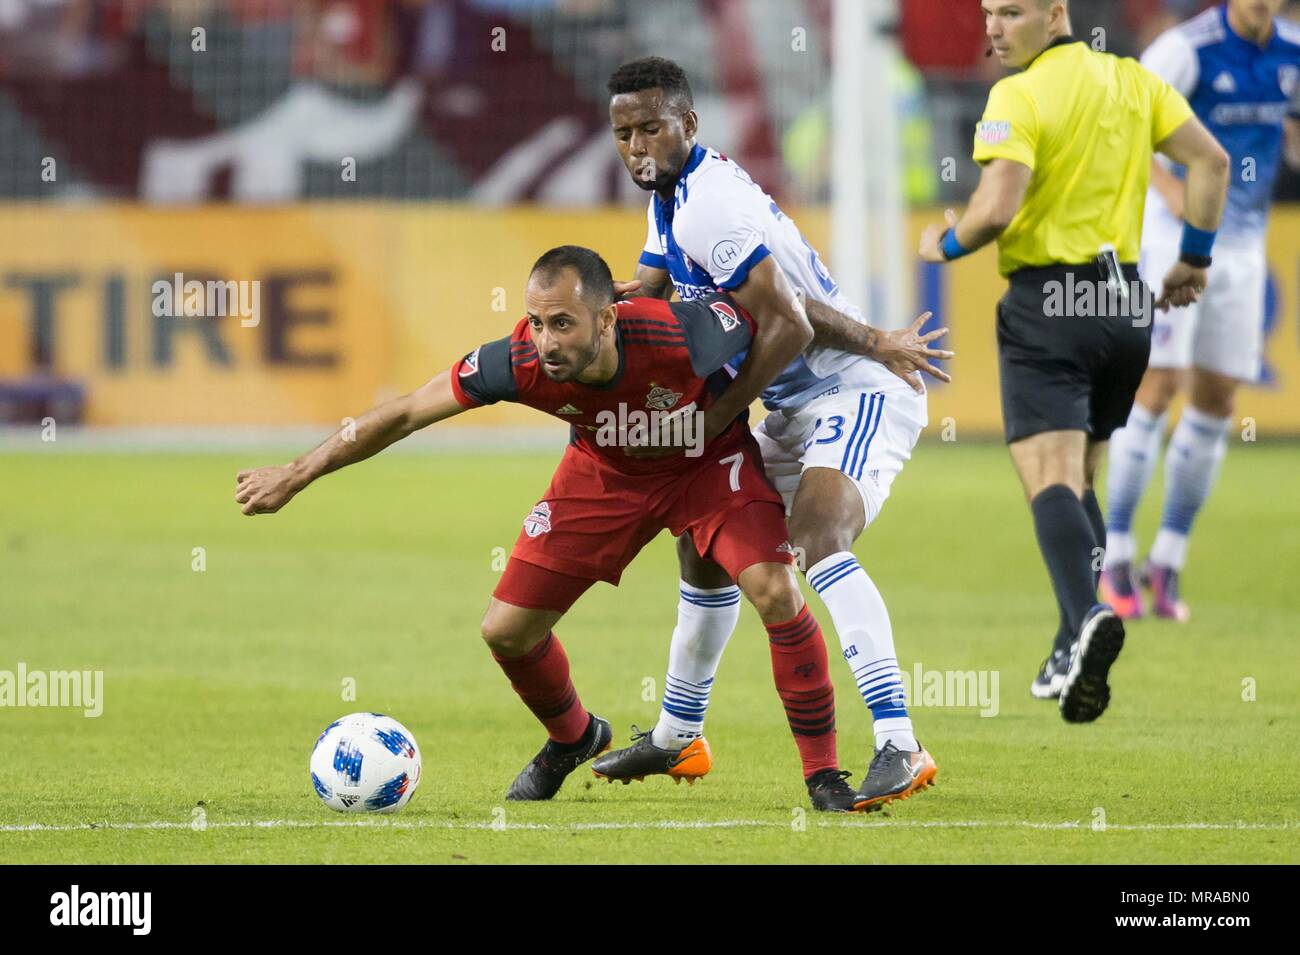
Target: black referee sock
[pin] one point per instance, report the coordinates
(1066, 541)
(1092, 508)
(1064, 635)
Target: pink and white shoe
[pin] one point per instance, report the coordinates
(1118, 589)
(1165, 601)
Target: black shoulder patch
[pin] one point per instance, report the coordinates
(488, 374)
(715, 329)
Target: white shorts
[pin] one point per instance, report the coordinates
(866, 435)
(1224, 331)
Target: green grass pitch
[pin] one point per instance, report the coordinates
(216, 682)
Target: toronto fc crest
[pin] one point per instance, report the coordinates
(539, 521)
(660, 398)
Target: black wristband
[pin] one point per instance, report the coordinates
(1196, 261)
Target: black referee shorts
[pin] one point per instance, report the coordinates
(1070, 358)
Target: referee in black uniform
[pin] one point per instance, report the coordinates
(1066, 146)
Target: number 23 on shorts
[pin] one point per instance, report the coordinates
(835, 424)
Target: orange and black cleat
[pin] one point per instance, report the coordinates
(643, 758)
(895, 774)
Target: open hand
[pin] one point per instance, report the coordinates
(907, 353)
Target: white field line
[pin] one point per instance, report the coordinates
(373, 823)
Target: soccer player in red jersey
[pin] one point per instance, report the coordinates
(603, 366)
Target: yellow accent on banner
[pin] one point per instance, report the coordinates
(360, 302)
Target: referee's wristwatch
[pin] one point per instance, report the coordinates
(1196, 261)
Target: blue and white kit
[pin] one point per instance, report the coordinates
(1241, 92)
(829, 408)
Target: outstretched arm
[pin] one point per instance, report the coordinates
(266, 490)
(905, 352)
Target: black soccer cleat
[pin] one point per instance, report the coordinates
(830, 793)
(643, 758)
(1051, 676)
(543, 777)
(895, 774)
(1085, 693)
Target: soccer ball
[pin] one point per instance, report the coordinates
(365, 762)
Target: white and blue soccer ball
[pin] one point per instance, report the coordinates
(365, 762)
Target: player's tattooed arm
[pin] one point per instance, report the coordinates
(266, 490)
(905, 351)
(649, 283)
(655, 283)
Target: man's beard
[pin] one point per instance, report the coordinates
(662, 182)
(572, 370)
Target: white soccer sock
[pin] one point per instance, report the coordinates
(1133, 453)
(1191, 465)
(705, 621)
(867, 638)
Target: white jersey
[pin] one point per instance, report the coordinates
(1241, 92)
(717, 227)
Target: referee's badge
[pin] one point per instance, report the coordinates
(993, 132)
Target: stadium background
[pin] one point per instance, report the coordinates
(133, 148)
(226, 644)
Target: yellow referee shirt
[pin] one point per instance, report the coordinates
(1087, 124)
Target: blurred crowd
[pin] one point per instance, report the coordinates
(487, 100)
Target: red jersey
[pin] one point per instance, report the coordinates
(671, 356)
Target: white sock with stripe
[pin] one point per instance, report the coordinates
(867, 638)
(1192, 465)
(1134, 450)
(705, 622)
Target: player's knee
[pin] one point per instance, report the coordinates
(773, 591)
(1158, 390)
(815, 544)
(1217, 398)
(503, 636)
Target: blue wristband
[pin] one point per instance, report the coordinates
(1197, 242)
(952, 249)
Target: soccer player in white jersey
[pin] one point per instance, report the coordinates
(839, 429)
(1238, 65)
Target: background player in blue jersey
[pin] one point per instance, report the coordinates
(839, 430)
(1238, 65)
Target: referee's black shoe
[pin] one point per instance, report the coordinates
(543, 777)
(1086, 692)
(1051, 676)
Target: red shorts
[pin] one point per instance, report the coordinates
(594, 520)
